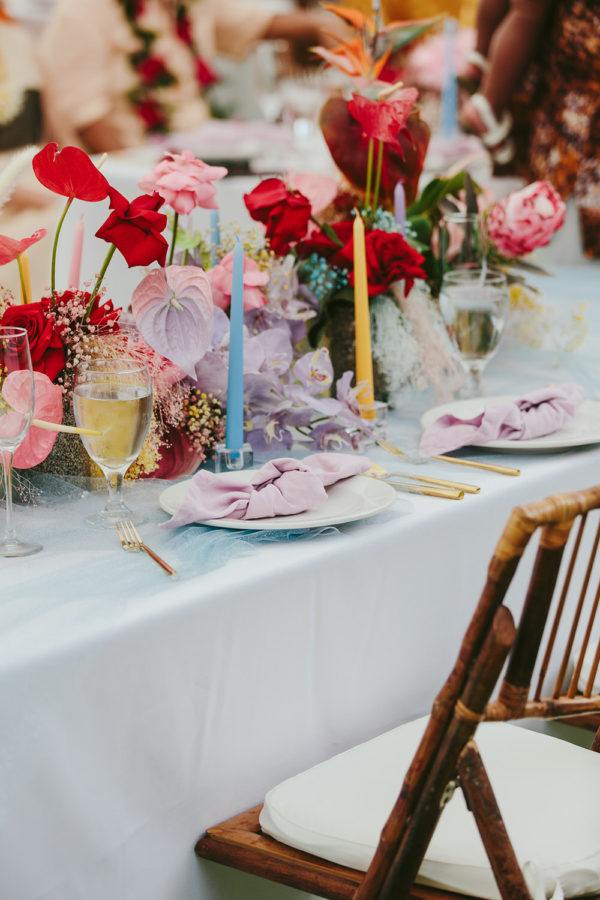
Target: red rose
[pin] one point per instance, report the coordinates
(69, 172)
(45, 344)
(184, 27)
(390, 258)
(323, 244)
(152, 69)
(135, 229)
(152, 115)
(205, 75)
(285, 213)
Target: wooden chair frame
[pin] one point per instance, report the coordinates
(447, 755)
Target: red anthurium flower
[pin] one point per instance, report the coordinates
(383, 120)
(135, 228)
(285, 213)
(10, 248)
(70, 172)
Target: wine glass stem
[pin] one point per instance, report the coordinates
(476, 376)
(114, 481)
(9, 531)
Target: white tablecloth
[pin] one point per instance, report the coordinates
(133, 718)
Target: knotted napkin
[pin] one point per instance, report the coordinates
(282, 487)
(533, 415)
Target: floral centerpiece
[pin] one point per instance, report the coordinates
(177, 325)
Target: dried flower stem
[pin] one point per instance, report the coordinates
(55, 246)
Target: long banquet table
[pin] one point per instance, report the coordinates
(136, 711)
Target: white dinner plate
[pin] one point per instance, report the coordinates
(350, 500)
(583, 429)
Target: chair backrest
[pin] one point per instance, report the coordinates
(569, 537)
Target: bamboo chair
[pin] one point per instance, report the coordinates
(448, 754)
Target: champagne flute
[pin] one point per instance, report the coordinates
(17, 403)
(462, 241)
(474, 305)
(113, 397)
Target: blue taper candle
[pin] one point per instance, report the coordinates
(449, 124)
(215, 235)
(234, 432)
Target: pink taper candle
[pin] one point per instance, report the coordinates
(400, 205)
(75, 270)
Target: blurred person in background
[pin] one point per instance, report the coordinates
(26, 207)
(115, 71)
(536, 77)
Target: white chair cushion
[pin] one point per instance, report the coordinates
(548, 792)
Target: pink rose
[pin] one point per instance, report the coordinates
(526, 219)
(254, 280)
(184, 182)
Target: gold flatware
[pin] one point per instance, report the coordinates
(382, 473)
(488, 467)
(65, 429)
(130, 540)
(442, 493)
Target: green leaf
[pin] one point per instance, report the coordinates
(405, 34)
(436, 191)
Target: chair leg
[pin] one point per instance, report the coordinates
(596, 743)
(481, 801)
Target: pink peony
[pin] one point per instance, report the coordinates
(184, 182)
(220, 279)
(526, 219)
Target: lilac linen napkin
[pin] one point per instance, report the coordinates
(282, 487)
(533, 415)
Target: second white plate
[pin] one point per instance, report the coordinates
(583, 429)
(350, 500)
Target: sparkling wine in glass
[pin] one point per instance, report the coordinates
(113, 398)
(17, 403)
(474, 304)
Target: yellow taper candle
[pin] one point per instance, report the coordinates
(362, 322)
(26, 278)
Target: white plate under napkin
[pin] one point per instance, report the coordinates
(350, 500)
(583, 429)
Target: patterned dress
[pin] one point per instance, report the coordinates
(564, 143)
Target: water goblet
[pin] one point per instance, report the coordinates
(113, 398)
(474, 305)
(17, 404)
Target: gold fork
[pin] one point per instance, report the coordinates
(379, 472)
(131, 540)
(488, 467)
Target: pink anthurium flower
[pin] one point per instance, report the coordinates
(173, 310)
(10, 248)
(38, 442)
